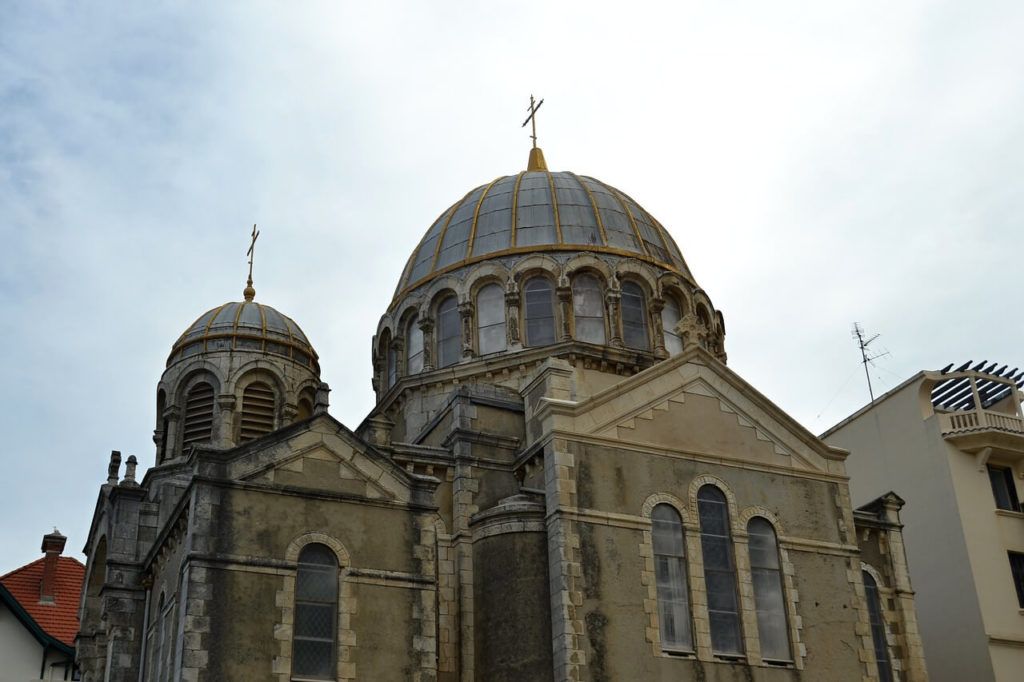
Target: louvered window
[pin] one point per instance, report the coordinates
(316, 614)
(198, 425)
(258, 409)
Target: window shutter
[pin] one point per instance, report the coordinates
(198, 425)
(258, 411)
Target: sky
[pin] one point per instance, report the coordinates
(818, 164)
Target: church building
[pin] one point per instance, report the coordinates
(561, 480)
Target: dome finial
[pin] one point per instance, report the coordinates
(536, 162)
(249, 293)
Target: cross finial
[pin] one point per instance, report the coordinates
(249, 292)
(532, 118)
(536, 162)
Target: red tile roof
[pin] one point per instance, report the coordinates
(59, 619)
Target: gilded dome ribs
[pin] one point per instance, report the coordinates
(444, 230)
(476, 215)
(515, 209)
(593, 205)
(554, 207)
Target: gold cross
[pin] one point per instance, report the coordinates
(252, 249)
(532, 118)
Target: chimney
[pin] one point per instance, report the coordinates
(53, 545)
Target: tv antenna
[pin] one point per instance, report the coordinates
(863, 342)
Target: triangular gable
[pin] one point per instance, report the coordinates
(323, 456)
(693, 403)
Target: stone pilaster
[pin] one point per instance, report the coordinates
(564, 297)
(466, 317)
(427, 327)
(225, 420)
(657, 329)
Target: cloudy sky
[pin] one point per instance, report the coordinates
(818, 163)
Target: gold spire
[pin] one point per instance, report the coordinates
(249, 293)
(536, 162)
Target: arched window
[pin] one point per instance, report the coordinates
(449, 343)
(198, 424)
(769, 599)
(670, 575)
(315, 633)
(634, 316)
(588, 309)
(413, 347)
(259, 408)
(719, 572)
(878, 635)
(490, 319)
(392, 359)
(670, 316)
(305, 407)
(540, 312)
(161, 421)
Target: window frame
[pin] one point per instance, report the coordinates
(731, 569)
(879, 628)
(598, 286)
(1003, 475)
(480, 310)
(667, 329)
(553, 317)
(682, 586)
(1017, 572)
(298, 603)
(643, 317)
(779, 583)
(448, 338)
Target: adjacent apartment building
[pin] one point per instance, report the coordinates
(952, 443)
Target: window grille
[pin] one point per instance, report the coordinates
(670, 576)
(490, 319)
(449, 345)
(315, 635)
(198, 423)
(588, 309)
(634, 316)
(259, 408)
(670, 316)
(719, 572)
(769, 598)
(414, 347)
(540, 312)
(878, 635)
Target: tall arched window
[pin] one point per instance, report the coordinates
(413, 347)
(259, 409)
(449, 337)
(539, 312)
(391, 356)
(490, 319)
(198, 423)
(315, 634)
(588, 309)
(719, 572)
(670, 316)
(878, 635)
(634, 316)
(670, 575)
(769, 599)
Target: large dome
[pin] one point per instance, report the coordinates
(245, 325)
(540, 211)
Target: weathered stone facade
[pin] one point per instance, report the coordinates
(491, 519)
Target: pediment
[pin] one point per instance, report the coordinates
(702, 408)
(323, 459)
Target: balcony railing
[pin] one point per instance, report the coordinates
(976, 420)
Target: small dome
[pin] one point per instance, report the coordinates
(538, 211)
(245, 326)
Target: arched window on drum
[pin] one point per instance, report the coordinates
(671, 314)
(588, 309)
(634, 316)
(449, 338)
(539, 311)
(413, 347)
(490, 319)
